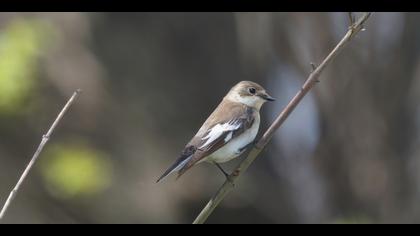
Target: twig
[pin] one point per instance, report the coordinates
(354, 28)
(351, 18)
(44, 140)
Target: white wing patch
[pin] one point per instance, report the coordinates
(228, 137)
(218, 130)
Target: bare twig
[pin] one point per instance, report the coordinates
(354, 28)
(351, 18)
(44, 140)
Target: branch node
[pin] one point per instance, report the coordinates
(313, 67)
(231, 181)
(352, 23)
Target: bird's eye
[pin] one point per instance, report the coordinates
(251, 90)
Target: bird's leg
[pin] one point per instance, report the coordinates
(221, 169)
(224, 172)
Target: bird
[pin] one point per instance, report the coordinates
(227, 132)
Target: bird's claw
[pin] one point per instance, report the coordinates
(230, 180)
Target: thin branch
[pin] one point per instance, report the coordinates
(312, 80)
(351, 18)
(44, 140)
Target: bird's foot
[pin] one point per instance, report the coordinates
(230, 180)
(230, 177)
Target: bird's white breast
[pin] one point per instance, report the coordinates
(232, 148)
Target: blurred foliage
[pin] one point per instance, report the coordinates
(21, 44)
(75, 170)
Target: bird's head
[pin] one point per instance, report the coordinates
(249, 93)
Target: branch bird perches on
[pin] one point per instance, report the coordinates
(354, 28)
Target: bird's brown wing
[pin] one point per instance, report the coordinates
(231, 124)
(226, 122)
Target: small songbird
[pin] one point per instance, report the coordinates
(228, 131)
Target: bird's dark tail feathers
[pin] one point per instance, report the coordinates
(177, 166)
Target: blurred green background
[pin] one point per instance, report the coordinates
(350, 153)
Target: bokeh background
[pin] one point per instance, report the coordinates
(349, 153)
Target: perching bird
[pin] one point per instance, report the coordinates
(227, 132)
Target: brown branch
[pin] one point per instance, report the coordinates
(313, 78)
(44, 140)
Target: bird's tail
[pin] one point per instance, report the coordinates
(177, 166)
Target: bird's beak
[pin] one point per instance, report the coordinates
(267, 97)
